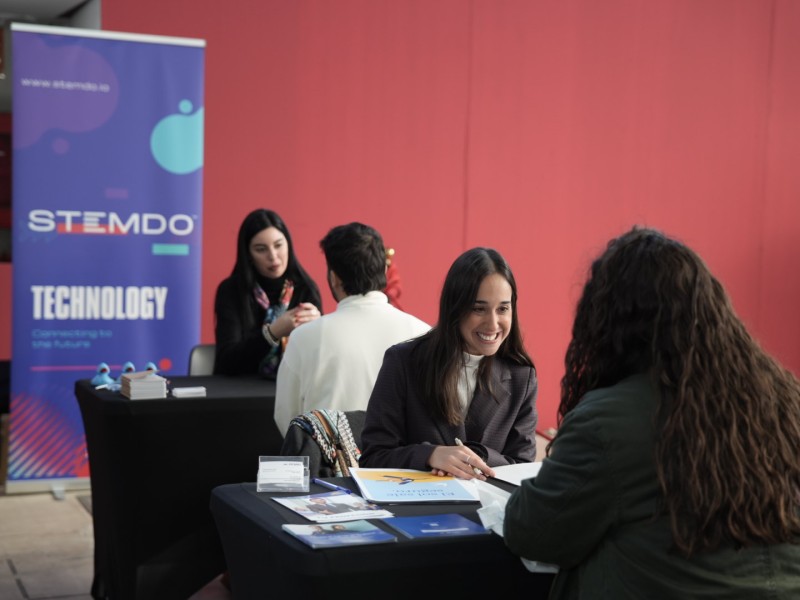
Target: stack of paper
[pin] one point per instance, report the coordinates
(145, 385)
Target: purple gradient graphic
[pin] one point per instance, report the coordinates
(69, 88)
(60, 146)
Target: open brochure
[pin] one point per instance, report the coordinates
(332, 535)
(331, 507)
(492, 514)
(409, 485)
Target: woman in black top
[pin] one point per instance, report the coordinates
(267, 295)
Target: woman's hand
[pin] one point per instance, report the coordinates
(303, 313)
(288, 321)
(458, 461)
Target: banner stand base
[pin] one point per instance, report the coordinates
(57, 487)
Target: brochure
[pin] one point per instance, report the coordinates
(331, 535)
(446, 525)
(332, 507)
(409, 485)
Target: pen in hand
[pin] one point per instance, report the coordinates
(331, 486)
(475, 470)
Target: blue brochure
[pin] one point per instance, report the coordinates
(436, 526)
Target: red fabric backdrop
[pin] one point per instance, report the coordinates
(540, 128)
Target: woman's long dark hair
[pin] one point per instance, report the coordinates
(728, 423)
(244, 273)
(438, 358)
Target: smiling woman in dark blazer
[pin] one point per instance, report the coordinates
(469, 378)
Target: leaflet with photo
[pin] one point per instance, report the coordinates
(331, 507)
(331, 535)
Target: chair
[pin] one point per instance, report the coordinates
(201, 359)
(299, 440)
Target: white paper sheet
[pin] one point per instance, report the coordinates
(492, 514)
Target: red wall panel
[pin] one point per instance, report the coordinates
(615, 114)
(541, 128)
(778, 284)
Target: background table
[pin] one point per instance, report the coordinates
(264, 561)
(153, 465)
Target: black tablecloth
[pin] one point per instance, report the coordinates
(153, 464)
(264, 561)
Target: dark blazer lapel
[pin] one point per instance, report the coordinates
(449, 433)
(484, 405)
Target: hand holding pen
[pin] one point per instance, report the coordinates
(458, 461)
(475, 470)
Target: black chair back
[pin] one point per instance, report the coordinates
(300, 442)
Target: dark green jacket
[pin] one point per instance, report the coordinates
(590, 511)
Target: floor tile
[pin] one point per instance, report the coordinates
(47, 549)
(9, 588)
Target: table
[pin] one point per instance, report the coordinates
(153, 464)
(265, 561)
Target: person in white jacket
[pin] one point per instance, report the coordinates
(332, 363)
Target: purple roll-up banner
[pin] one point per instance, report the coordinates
(107, 228)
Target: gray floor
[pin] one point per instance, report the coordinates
(47, 547)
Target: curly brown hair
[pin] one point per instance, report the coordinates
(728, 422)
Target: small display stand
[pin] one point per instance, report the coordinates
(282, 474)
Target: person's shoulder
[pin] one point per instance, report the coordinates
(402, 316)
(629, 388)
(227, 289)
(308, 333)
(402, 350)
(229, 283)
(620, 415)
(634, 394)
(414, 322)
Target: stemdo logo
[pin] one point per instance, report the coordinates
(98, 222)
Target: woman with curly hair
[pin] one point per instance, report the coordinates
(675, 472)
